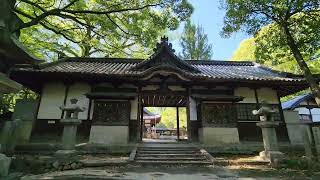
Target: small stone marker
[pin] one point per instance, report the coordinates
(307, 141)
(4, 165)
(271, 151)
(8, 135)
(316, 136)
(70, 122)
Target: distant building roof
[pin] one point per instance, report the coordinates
(148, 115)
(294, 103)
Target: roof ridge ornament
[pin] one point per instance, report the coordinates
(164, 41)
(164, 57)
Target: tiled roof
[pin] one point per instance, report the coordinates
(213, 70)
(295, 102)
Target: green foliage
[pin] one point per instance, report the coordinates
(292, 31)
(168, 116)
(97, 28)
(194, 43)
(266, 20)
(245, 51)
(8, 101)
(262, 48)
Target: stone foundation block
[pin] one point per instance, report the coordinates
(215, 136)
(111, 135)
(4, 165)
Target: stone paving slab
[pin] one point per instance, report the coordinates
(146, 174)
(135, 172)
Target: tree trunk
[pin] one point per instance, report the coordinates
(314, 86)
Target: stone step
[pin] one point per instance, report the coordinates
(171, 158)
(173, 162)
(169, 155)
(168, 152)
(174, 149)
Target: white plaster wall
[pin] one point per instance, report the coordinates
(78, 91)
(134, 109)
(315, 114)
(302, 110)
(110, 135)
(247, 93)
(268, 95)
(193, 109)
(52, 98)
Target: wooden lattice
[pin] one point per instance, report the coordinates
(219, 114)
(111, 112)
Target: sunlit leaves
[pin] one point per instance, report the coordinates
(99, 28)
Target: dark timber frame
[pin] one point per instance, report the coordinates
(162, 69)
(161, 98)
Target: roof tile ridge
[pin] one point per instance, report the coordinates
(52, 63)
(286, 74)
(103, 59)
(221, 62)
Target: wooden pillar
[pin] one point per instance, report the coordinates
(257, 99)
(188, 115)
(280, 108)
(178, 130)
(141, 122)
(139, 137)
(66, 93)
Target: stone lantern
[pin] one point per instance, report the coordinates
(271, 150)
(70, 122)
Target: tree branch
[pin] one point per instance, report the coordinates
(58, 32)
(109, 12)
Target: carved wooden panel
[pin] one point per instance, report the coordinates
(111, 112)
(219, 114)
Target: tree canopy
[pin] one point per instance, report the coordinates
(260, 49)
(194, 43)
(294, 27)
(85, 28)
(245, 51)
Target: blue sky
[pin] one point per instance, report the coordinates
(208, 14)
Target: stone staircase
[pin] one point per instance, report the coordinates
(172, 154)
